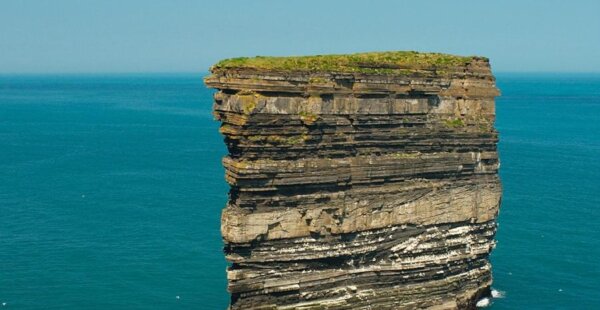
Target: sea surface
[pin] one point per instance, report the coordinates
(111, 188)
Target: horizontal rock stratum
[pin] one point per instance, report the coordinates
(361, 181)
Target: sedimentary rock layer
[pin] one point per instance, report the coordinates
(365, 181)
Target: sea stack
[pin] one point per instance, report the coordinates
(360, 181)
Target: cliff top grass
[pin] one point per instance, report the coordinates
(371, 62)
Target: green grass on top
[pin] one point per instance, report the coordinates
(372, 62)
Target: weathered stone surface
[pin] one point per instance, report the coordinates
(359, 190)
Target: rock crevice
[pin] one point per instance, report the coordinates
(365, 181)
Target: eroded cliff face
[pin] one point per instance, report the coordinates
(371, 185)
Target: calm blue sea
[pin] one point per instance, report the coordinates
(111, 188)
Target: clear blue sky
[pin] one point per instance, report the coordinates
(181, 35)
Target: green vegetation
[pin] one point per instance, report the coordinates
(307, 117)
(453, 123)
(277, 139)
(248, 101)
(317, 80)
(399, 62)
(295, 140)
(256, 138)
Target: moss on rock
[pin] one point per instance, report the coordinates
(454, 123)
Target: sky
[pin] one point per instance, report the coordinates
(104, 36)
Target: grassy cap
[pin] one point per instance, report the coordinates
(371, 62)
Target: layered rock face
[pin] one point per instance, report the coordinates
(358, 182)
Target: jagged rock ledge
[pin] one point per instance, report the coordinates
(362, 181)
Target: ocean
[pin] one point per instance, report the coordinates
(112, 185)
